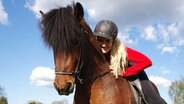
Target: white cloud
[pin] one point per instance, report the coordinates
(42, 76)
(44, 5)
(165, 70)
(3, 14)
(160, 81)
(169, 36)
(91, 13)
(125, 38)
(160, 20)
(150, 33)
(179, 35)
(136, 12)
(124, 12)
(167, 49)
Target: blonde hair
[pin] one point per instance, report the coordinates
(118, 60)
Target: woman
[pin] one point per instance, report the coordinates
(125, 61)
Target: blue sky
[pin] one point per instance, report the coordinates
(153, 27)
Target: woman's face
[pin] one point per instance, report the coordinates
(105, 44)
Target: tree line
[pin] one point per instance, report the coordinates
(4, 99)
(176, 91)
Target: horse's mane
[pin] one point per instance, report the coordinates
(61, 30)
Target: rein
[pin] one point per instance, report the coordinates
(78, 69)
(92, 78)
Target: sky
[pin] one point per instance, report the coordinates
(153, 27)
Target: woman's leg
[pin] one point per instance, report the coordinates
(151, 94)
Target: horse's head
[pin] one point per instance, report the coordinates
(63, 29)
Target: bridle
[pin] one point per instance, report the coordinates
(80, 65)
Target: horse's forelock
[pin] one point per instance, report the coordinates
(60, 28)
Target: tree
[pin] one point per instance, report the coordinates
(34, 102)
(60, 102)
(1, 91)
(176, 91)
(3, 99)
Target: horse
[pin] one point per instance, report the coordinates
(79, 62)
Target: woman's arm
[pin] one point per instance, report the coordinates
(139, 60)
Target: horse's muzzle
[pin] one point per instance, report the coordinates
(68, 89)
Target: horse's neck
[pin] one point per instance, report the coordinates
(95, 43)
(95, 63)
(84, 90)
(94, 67)
(103, 90)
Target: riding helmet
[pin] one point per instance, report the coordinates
(106, 29)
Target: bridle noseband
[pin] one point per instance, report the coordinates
(78, 67)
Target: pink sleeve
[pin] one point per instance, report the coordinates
(140, 62)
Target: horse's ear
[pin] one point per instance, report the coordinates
(42, 13)
(78, 11)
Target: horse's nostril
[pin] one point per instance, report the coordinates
(65, 90)
(68, 86)
(55, 85)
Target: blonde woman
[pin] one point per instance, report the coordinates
(125, 61)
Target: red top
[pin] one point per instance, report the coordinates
(139, 60)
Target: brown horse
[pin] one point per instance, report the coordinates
(79, 61)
